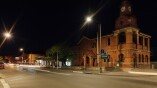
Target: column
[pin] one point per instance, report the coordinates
(149, 50)
(84, 61)
(137, 40)
(143, 45)
(148, 44)
(129, 39)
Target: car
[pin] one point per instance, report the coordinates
(1, 65)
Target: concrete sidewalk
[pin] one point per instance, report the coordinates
(143, 71)
(132, 72)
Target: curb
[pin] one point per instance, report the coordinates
(77, 71)
(142, 73)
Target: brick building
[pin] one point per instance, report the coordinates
(127, 45)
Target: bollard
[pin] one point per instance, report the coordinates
(152, 66)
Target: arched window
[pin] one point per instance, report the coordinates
(121, 57)
(122, 38)
(146, 58)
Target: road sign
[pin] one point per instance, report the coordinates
(104, 54)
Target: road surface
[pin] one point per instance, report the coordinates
(28, 77)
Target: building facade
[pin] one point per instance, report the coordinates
(126, 47)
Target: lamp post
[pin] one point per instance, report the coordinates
(88, 20)
(100, 62)
(22, 50)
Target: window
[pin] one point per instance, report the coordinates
(141, 40)
(146, 58)
(121, 57)
(108, 41)
(134, 37)
(122, 38)
(146, 41)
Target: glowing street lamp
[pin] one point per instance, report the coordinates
(22, 50)
(7, 34)
(88, 19)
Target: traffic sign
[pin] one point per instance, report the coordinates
(104, 54)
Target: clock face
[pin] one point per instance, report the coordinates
(123, 9)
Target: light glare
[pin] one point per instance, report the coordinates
(21, 49)
(88, 19)
(7, 35)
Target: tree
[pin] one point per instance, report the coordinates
(63, 53)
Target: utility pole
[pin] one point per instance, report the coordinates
(100, 62)
(57, 58)
(98, 49)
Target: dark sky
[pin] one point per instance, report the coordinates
(43, 23)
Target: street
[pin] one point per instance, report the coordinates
(28, 77)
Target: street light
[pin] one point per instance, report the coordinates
(88, 20)
(22, 50)
(7, 34)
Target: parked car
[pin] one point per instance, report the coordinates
(2, 65)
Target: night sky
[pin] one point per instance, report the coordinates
(43, 23)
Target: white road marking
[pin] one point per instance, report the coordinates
(52, 72)
(5, 85)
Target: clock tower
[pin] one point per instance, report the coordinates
(126, 19)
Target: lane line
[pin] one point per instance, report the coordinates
(4, 83)
(52, 72)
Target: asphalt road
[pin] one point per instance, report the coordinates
(26, 77)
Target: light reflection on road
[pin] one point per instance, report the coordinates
(25, 68)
